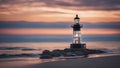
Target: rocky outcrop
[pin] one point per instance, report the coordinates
(46, 54)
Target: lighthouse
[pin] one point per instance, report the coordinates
(77, 34)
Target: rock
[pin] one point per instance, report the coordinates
(70, 54)
(68, 50)
(56, 53)
(91, 51)
(79, 53)
(46, 52)
(45, 56)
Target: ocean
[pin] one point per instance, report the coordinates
(25, 50)
(32, 49)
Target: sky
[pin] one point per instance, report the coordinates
(54, 17)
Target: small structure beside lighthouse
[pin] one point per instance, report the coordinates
(77, 35)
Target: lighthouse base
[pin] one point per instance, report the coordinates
(76, 46)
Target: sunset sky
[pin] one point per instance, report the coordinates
(54, 17)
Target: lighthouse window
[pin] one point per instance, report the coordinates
(77, 21)
(76, 35)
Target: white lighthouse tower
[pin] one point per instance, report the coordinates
(76, 34)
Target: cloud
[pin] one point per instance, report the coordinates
(59, 10)
(78, 4)
(58, 38)
(24, 24)
(100, 4)
(106, 25)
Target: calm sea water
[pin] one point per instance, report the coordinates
(38, 47)
(34, 48)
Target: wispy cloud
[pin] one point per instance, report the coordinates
(57, 31)
(24, 24)
(81, 4)
(60, 10)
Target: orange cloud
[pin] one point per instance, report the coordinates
(57, 31)
(57, 11)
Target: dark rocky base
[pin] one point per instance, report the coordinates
(46, 54)
(83, 46)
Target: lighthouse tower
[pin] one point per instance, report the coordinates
(76, 34)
